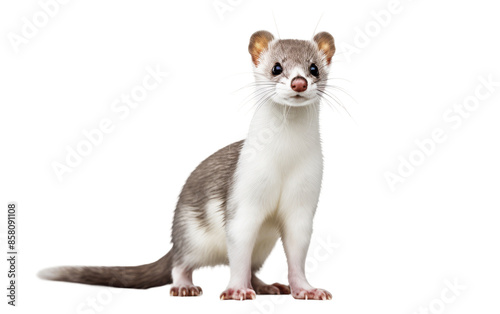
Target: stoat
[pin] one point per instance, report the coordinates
(239, 201)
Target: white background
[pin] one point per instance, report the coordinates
(392, 252)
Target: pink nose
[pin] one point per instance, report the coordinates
(299, 84)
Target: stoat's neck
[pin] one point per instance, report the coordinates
(278, 126)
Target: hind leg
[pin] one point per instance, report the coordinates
(261, 287)
(183, 283)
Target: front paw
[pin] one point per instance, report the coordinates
(238, 294)
(311, 294)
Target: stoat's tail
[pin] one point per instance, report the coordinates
(146, 276)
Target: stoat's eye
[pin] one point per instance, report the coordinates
(277, 69)
(314, 70)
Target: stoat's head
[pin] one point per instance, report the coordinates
(291, 71)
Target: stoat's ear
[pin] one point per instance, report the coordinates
(258, 43)
(326, 44)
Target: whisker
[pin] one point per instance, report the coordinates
(257, 93)
(309, 115)
(244, 73)
(276, 25)
(333, 78)
(317, 24)
(336, 100)
(324, 87)
(287, 111)
(255, 84)
(263, 100)
(329, 103)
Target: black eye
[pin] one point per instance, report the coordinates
(277, 69)
(314, 70)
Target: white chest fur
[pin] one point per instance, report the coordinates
(281, 160)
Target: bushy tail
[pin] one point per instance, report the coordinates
(146, 276)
